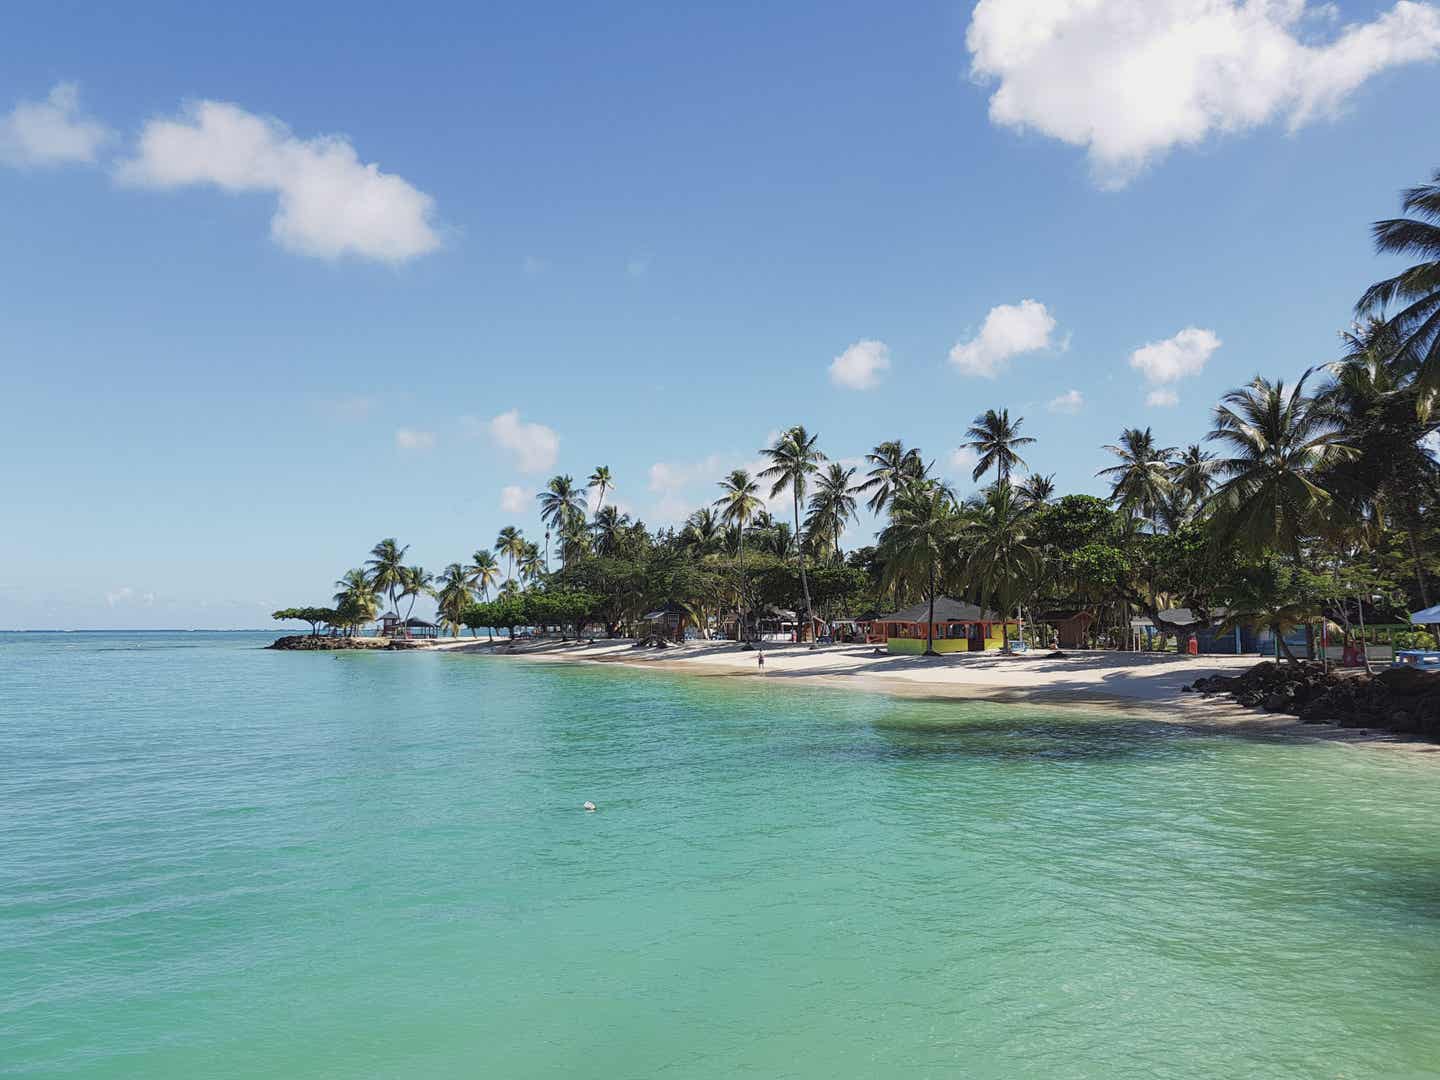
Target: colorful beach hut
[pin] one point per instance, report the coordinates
(958, 627)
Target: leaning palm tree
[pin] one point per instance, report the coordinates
(510, 543)
(560, 503)
(833, 504)
(891, 467)
(387, 569)
(1280, 441)
(737, 507)
(483, 572)
(794, 458)
(920, 539)
(1416, 326)
(531, 563)
(601, 481)
(994, 438)
(1141, 483)
(418, 583)
(453, 596)
(356, 592)
(1192, 476)
(1002, 565)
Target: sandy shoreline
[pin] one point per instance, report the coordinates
(1147, 683)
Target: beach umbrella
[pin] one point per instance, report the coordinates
(1428, 617)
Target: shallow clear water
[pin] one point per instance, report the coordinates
(224, 862)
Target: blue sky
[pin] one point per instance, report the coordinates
(232, 357)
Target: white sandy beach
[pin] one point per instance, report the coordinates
(1150, 682)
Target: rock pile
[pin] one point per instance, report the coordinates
(307, 642)
(1396, 699)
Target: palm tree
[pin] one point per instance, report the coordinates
(924, 525)
(387, 569)
(601, 480)
(483, 572)
(994, 438)
(1037, 490)
(417, 584)
(1141, 483)
(560, 503)
(453, 596)
(737, 506)
(532, 565)
(832, 505)
(701, 533)
(1192, 475)
(1416, 326)
(356, 593)
(1002, 562)
(892, 467)
(610, 523)
(794, 458)
(511, 544)
(1280, 442)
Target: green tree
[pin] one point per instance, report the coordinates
(560, 504)
(795, 458)
(387, 569)
(355, 595)
(510, 544)
(914, 547)
(1280, 442)
(483, 572)
(994, 437)
(832, 505)
(1002, 564)
(1140, 484)
(891, 468)
(1415, 328)
(453, 596)
(738, 504)
(418, 582)
(601, 482)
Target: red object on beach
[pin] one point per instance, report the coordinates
(1192, 647)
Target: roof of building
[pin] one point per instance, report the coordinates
(946, 610)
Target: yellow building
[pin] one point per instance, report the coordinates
(958, 627)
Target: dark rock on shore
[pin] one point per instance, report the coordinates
(308, 643)
(1394, 699)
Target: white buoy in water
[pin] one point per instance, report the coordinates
(589, 806)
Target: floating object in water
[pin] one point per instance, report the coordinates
(589, 806)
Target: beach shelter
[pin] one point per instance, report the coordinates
(1429, 617)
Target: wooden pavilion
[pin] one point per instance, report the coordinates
(958, 627)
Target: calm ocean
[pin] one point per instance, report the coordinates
(217, 861)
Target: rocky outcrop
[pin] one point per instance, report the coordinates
(1402, 700)
(309, 643)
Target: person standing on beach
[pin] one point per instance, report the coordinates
(760, 661)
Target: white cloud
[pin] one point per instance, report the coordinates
(962, 461)
(1130, 79)
(1162, 398)
(51, 132)
(1009, 330)
(351, 407)
(860, 366)
(330, 202)
(1175, 358)
(514, 499)
(410, 439)
(125, 595)
(534, 447)
(673, 476)
(1072, 401)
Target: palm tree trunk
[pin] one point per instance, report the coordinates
(930, 624)
(1419, 565)
(740, 629)
(800, 551)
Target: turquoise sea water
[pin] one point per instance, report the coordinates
(217, 861)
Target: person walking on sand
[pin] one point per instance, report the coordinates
(760, 661)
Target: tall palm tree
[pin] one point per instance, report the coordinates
(1141, 483)
(531, 563)
(418, 583)
(701, 534)
(794, 458)
(483, 572)
(560, 503)
(994, 438)
(453, 596)
(1280, 441)
(1002, 564)
(738, 505)
(600, 480)
(1416, 326)
(919, 540)
(1037, 490)
(891, 467)
(510, 543)
(1192, 475)
(833, 504)
(610, 523)
(387, 569)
